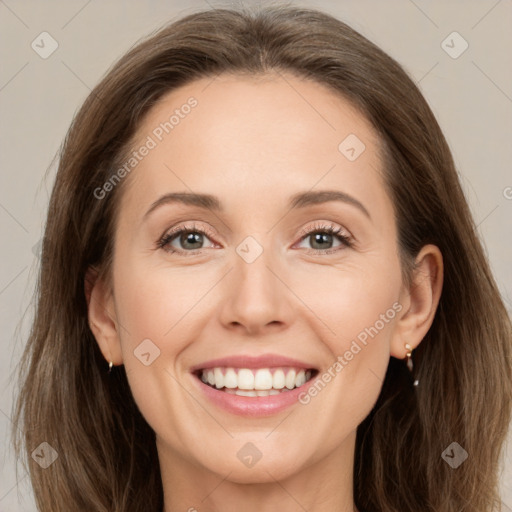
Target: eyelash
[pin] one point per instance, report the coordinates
(330, 229)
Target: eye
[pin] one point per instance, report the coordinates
(190, 238)
(322, 236)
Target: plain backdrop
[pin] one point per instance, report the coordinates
(470, 93)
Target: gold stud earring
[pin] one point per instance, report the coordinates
(409, 358)
(110, 364)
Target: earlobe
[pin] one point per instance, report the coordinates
(420, 299)
(102, 317)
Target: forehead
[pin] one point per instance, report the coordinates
(254, 135)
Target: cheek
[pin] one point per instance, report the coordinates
(358, 312)
(161, 312)
(151, 300)
(146, 308)
(354, 308)
(351, 301)
(151, 306)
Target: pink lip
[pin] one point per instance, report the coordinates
(241, 361)
(252, 406)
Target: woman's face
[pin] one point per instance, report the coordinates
(257, 276)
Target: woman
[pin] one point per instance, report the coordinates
(256, 368)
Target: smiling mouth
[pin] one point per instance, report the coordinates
(255, 382)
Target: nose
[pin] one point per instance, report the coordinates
(257, 299)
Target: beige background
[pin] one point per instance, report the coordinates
(471, 96)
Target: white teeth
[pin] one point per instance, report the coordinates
(290, 379)
(278, 380)
(263, 381)
(245, 379)
(219, 378)
(240, 392)
(230, 379)
(300, 378)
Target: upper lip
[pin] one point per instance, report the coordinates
(247, 361)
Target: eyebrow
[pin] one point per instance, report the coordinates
(300, 200)
(309, 198)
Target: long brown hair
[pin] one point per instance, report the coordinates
(107, 460)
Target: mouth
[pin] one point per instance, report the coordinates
(255, 382)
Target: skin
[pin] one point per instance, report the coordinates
(253, 142)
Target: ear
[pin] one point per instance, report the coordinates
(101, 314)
(419, 301)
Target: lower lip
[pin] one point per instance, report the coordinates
(253, 405)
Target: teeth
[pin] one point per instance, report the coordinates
(290, 379)
(245, 379)
(263, 379)
(278, 379)
(219, 378)
(230, 379)
(240, 392)
(245, 393)
(260, 382)
(300, 378)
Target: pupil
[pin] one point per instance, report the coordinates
(321, 237)
(191, 238)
